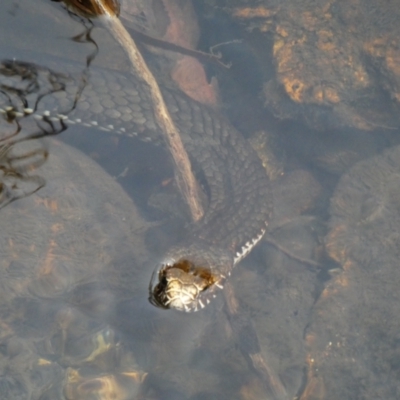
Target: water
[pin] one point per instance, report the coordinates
(78, 255)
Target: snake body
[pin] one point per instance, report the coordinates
(239, 202)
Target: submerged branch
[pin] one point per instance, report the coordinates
(107, 11)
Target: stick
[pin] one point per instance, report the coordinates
(107, 11)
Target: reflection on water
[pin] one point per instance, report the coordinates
(17, 166)
(76, 256)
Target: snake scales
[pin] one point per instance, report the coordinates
(239, 200)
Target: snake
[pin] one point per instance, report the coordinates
(191, 272)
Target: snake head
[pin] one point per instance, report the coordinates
(187, 283)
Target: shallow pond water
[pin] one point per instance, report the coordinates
(78, 254)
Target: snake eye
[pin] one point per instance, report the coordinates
(163, 281)
(181, 285)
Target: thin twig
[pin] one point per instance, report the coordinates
(163, 44)
(107, 13)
